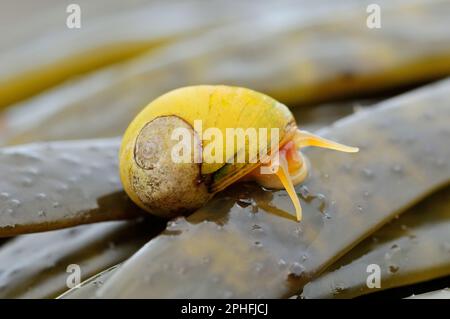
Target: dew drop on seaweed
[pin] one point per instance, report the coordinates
(42, 213)
(26, 182)
(368, 173)
(258, 244)
(398, 169)
(296, 269)
(258, 267)
(15, 202)
(4, 195)
(41, 196)
(281, 263)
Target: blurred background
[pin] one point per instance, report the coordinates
(83, 69)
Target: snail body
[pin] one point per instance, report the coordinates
(156, 179)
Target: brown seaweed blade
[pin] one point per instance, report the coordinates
(88, 288)
(54, 185)
(246, 243)
(412, 249)
(36, 265)
(295, 57)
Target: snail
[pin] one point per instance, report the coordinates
(183, 148)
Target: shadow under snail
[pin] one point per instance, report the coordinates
(201, 124)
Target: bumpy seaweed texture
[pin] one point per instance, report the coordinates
(413, 248)
(295, 57)
(245, 242)
(35, 265)
(54, 185)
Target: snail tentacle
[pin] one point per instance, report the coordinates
(305, 138)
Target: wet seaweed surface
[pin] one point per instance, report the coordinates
(54, 185)
(247, 233)
(413, 248)
(36, 265)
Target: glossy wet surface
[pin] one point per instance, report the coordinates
(246, 240)
(413, 248)
(55, 185)
(35, 265)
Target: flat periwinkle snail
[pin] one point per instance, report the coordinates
(193, 142)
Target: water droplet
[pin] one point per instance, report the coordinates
(359, 208)
(258, 267)
(15, 202)
(366, 194)
(56, 204)
(258, 244)
(42, 213)
(397, 168)
(296, 269)
(26, 182)
(33, 171)
(74, 179)
(368, 173)
(4, 195)
(9, 211)
(281, 263)
(298, 231)
(62, 188)
(395, 247)
(41, 196)
(304, 257)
